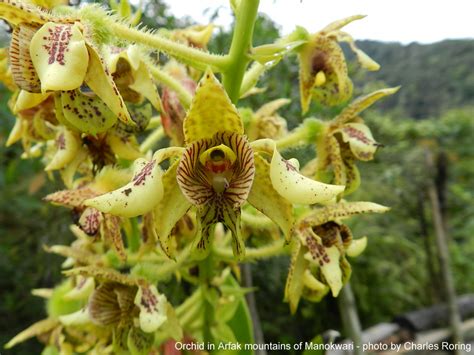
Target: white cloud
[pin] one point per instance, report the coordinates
(404, 21)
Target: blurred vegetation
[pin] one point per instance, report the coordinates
(396, 273)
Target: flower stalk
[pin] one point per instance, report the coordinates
(238, 58)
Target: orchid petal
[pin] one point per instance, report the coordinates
(170, 209)
(26, 100)
(327, 259)
(342, 210)
(361, 103)
(90, 221)
(109, 301)
(100, 81)
(296, 188)
(137, 197)
(322, 53)
(88, 114)
(111, 234)
(82, 290)
(267, 200)
(337, 25)
(294, 282)
(360, 139)
(211, 112)
(19, 12)
(71, 198)
(199, 188)
(103, 274)
(38, 328)
(78, 318)
(152, 308)
(16, 133)
(144, 85)
(124, 147)
(352, 175)
(67, 146)
(59, 51)
(356, 247)
(365, 61)
(21, 62)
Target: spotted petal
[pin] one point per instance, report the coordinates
(100, 81)
(152, 308)
(342, 210)
(360, 139)
(323, 73)
(208, 215)
(59, 51)
(327, 259)
(211, 112)
(137, 197)
(22, 68)
(18, 12)
(361, 103)
(297, 188)
(88, 114)
(295, 282)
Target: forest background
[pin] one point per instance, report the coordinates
(398, 272)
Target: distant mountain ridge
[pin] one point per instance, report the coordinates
(434, 77)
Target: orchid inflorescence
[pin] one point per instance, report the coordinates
(84, 93)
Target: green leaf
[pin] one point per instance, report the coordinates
(241, 322)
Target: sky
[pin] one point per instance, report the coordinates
(406, 21)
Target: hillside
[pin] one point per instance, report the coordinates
(435, 77)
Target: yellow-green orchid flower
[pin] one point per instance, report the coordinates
(266, 122)
(131, 75)
(318, 263)
(65, 308)
(132, 307)
(323, 69)
(217, 173)
(346, 139)
(45, 49)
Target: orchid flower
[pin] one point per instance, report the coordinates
(323, 69)
(319, 263)
(45, 49)
(218, 171)
(346, 139)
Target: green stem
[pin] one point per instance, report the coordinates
(273, 249)
(205, 277)
(297, 137)
(155, 122)
(152, 139)
(133, 237)
(257, 222)
(163, 77)
(239, 48)
(192, 56)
